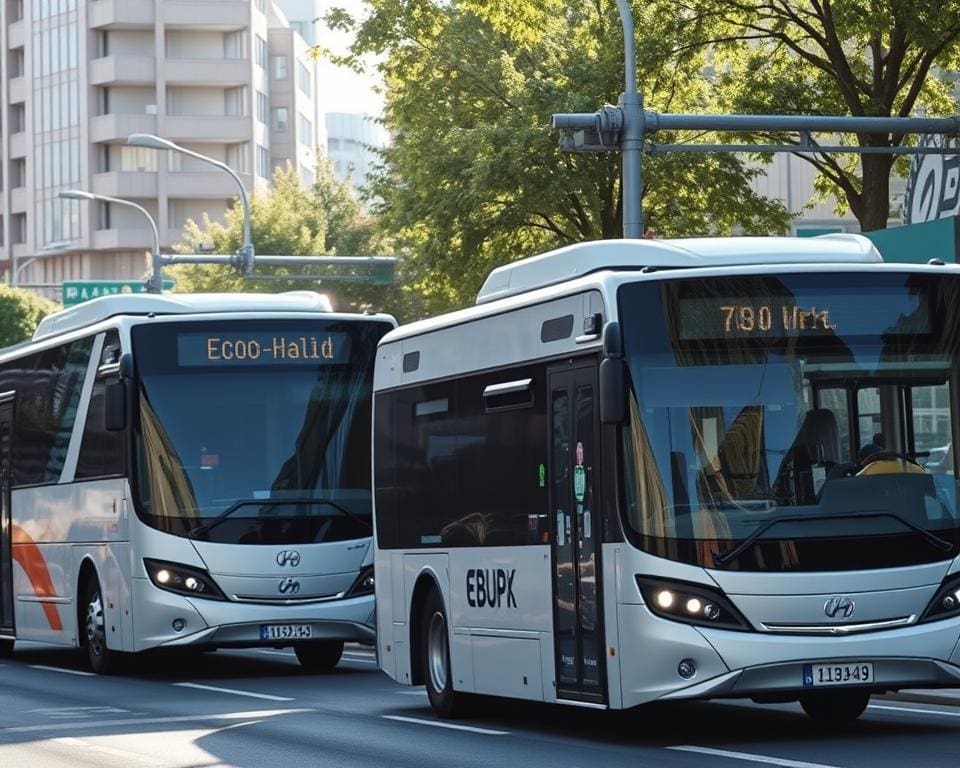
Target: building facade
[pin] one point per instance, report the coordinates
(80, 76)
(352, 144)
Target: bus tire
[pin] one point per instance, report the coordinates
(6, 649)
(835, 707)
(319, 655)
(435, 646)
(102, 660)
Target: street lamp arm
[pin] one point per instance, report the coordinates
(157, 142)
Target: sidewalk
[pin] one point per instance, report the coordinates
(949, 697)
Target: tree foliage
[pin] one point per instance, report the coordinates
(474, 177)
(20, 313)
(855, 57)
(324, 219)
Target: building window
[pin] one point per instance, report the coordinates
(263, 107)
(261, 52)
(237, 155)
(306, 175)
(303, 78)
(235, 101)
(279, 121)
(304, 131)
(278, 67)
(138, 159)
(234, 45)
(262, 6)
(263, 162)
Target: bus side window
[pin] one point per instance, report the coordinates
(101, 452)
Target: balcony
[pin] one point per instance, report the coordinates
(213, 184)
(16, 34)
(18, 144)
(125, 70)
(19, 201)
(126, 184)
(120, 14)
(126, 239)
(219, 128)
(17, 90)
(116, 128)
(210, 14)
(210, 72)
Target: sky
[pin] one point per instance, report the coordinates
(346, 91)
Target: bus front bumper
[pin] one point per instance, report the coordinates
(771, 666)
(227, 624)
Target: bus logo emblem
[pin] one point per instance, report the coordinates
(839, 606)
(289, 586)
(288, 557)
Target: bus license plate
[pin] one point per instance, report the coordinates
(845, 673)
(286, 631)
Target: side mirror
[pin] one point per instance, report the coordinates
(115, 406)
(613, 390)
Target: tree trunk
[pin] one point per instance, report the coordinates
(875, 197)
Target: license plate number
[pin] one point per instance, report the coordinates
(285, 631)
(843, 673)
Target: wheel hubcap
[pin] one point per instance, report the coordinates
(437, 652)
(96, 634)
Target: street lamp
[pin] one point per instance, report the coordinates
(151, 141)
(155, 283)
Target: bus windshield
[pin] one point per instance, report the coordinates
(256, 432)
(797, 422)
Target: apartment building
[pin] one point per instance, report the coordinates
(352, 144)
(81, 75)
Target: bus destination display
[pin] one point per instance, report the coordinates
(749, 317)
(294, 347)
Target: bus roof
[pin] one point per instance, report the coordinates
(580, 259)
(97, 310)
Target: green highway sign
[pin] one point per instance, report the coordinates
(78, 291)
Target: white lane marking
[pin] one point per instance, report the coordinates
(411, 693)
(66, 713)
(767, 760)
(915, 710)
(60, 669)
(199, 718)
(275, 652)
(234, 691)
(451, 726)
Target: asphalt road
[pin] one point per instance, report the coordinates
(257, 709)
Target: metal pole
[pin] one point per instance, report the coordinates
(246, 255)
(155, 281)
(631, 102)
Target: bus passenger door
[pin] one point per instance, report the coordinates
(575, 534)
(6, 522)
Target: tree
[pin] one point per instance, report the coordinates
(324, 219)
(20, 313)
(856, 57)
(474, 177)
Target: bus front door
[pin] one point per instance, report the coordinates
(6, 523)
(575, 534)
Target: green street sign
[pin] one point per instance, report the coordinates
(78, 291)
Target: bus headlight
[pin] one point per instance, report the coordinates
(690, 603)
(182, 579)
(364, 585)
(946, 603)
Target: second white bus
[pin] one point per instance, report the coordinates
(664, 470)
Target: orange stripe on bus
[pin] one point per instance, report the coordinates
(27, 553)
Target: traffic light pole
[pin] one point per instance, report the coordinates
(626, 127)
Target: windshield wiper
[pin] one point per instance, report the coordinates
(728, 556)
(241, 503)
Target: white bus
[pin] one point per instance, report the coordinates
(189, 471)
(663, 470)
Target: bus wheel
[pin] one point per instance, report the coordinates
(320, 655)
(6, 648)
(102, 659)
(835, 706)
(435, 644)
